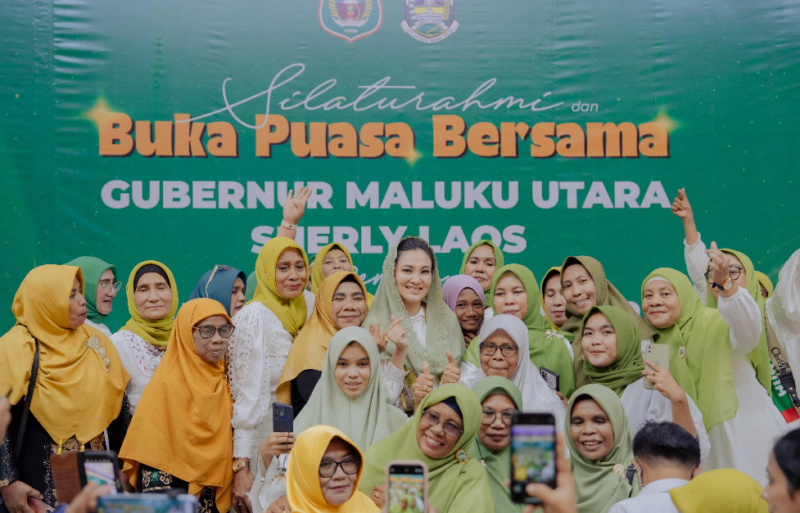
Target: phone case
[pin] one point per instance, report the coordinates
(659, 355)
(551, 378)
(387, 485)
(282, 418)
(66, 475)
(105, 456)
(521, 459)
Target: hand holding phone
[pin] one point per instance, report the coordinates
(658, 354)
(533, 454)
(282, 418)
(406, 487)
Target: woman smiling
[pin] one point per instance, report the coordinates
(481, 261)
(465, 297)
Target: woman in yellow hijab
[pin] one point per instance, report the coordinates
(324, 471)
(79, 389)
(181, 434)
(720, 491)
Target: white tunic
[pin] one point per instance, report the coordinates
(642, 405)
(310, 298)
(783, 311)
(696, 265)
(653, 498)
(745, 441)
(101, 327)
(140, 358)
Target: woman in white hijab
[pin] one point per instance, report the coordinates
(503, 352)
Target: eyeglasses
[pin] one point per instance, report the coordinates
(434, 420)
(490, 416)
(733, 272)
(115, 285)
(207, 330)
(216, 268)
(507, 350)
(349, 466)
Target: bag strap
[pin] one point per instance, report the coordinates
(28, 398)
(629, 473)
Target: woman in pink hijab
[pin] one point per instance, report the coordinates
(464, 295)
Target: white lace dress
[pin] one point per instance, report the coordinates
(256, 357)
(140, 358)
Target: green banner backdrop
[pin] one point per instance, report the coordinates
(171, 130)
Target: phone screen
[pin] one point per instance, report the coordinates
(406, 489)
(101, 472)
(533, 458)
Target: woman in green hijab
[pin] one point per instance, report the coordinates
(739, 415)
(600, 444)
(500, 399)
(101, 287)
(481, 261)
(516, 292)
(584, 285)
(440, 434)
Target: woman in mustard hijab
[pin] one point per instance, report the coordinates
(79, 391)
(152, 302)
(332, 258)
(181, 435)
(265, 330)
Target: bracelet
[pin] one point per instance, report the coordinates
(288, 226)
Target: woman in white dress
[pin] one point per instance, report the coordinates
(783, 310)
(265, 330)
(612, 353)
(740, 417)
(101, 288)
(152, 303)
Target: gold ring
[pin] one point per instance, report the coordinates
(377, 495)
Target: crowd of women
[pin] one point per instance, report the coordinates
(186, 394)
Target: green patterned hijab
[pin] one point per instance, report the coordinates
(497, 464)
(628, 365)
(759, 356)
(457, 482)
(92, 269)
(602, 483)
(498, 257)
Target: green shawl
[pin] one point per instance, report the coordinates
(705, 336)
(601, 484)
(497, 464)
(628, 365)
(607, 295)
(442, 328)
(250, 289)
(498, 256)
(454, 487)
(759, 356)
(546, 346)
(673, 335)
(365, 419)
(92, 269)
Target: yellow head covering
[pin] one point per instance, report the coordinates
(765, 282)
(720, 491)
(302, 476)
(183, 420)
(76, 392)
(316, 272)
(311, 345)
(155, 331)
(291, 312)
(550, 272)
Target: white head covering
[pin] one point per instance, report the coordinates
(536, 395)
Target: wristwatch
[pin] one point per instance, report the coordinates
(240, 464)
(288, 226)
(726, 285)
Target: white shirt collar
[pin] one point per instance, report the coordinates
(418, 317)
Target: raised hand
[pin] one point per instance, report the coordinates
(275, 445)
(451, 373)
(718, 263)
(295, 205)
(681, 206)
(423, 385)
(379, 335)
(663, 382)
(396, 333)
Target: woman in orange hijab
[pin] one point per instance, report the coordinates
(79, 391)
(181, 435)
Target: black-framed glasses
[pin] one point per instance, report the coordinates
(214, 272)
(733, 272)
(450, 429)
(207, 330)
(115, 285)
(489, 416)
(489, 349)
(350, 466)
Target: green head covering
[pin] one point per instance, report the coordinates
(705, 338)
(601, 484)
(497, 464)
(458, 482)
(546, 346)
(250, 288)
(365, 419)
(673, 336)
(607, 295)
(759, 356)
(442, 328)
(628, 365)
(498, 257)
(92, 269)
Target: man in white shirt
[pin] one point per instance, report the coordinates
(667, 457)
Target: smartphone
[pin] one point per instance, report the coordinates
(282, 418)
(38, 506)
(533, 453)
(551, 378)
(658, 354)
(101, 468)
(406, 486)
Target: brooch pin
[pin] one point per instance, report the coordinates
(682, 352)
(462, 456)
(551, 333)
(94, 344)
(619, 469)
